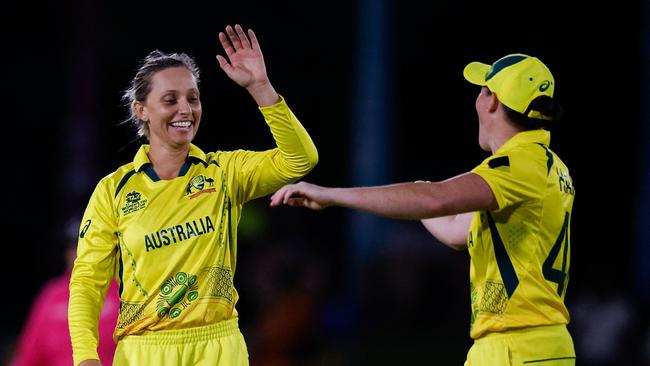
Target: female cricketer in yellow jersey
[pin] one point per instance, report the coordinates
(165, 225)
(512, 213)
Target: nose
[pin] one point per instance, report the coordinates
(184, 107)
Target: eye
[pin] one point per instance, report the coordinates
(169, 100)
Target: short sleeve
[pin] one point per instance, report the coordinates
(514, 177)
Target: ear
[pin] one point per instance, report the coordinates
(493, 103)
(140, 111)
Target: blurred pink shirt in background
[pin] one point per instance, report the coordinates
(45, 337)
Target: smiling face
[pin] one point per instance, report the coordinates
(172, 108)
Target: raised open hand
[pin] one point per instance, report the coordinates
(245, 63)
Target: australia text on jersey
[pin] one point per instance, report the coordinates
(178, 233)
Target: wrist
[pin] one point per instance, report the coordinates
(263, 93)
(336, 197)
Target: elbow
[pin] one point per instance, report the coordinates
(456, 246)
(312, 159)
(308, 162)
(439, 204)
(453, 243)
(434, 207)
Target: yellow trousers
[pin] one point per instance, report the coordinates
(536, 346)
(217, 344)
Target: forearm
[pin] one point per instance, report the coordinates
(407, 201)
(420, 200)
(298, 154)
(83, 312)
(87, 291)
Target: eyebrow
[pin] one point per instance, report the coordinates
(177, 91)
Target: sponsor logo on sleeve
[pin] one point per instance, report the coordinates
(85, 228)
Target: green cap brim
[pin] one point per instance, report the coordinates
(475, 73)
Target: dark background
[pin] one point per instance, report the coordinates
(301, 302)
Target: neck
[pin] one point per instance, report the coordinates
(167, 161)
(501, 137)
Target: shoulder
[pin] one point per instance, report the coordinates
(530, 154)
(112, 181)
(527, 162)
(530, 163)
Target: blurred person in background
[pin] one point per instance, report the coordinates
(165, 225)
(45, 338)
(289, 280)
(512, 213)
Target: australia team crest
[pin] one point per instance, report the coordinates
(199, 185)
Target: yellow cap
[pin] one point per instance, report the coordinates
(516, 79)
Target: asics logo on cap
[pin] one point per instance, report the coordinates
(517, 79)
(545, 85)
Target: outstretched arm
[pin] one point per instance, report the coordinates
(409, 201)
(245, 64)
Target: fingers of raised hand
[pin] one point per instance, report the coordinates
(242, 36)
(234, 38)
(225, 43)
(253, 38)
(226, 67)
(238, 37)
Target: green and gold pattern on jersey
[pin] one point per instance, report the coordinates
(176, 294)
(491, 298)
(219, 283)
(130, 313)
(132, 263)
(494, 299)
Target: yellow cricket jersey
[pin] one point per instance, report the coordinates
(520, 253)
(172, 244)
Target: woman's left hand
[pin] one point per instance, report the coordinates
(245, 63)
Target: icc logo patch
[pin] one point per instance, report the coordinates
(134, 201)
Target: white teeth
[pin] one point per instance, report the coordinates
(181, 124)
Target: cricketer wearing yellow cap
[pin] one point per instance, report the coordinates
(512, 213)
(520, 253)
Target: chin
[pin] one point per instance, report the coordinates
(183, 143)
(184, 139)
(484, 147)
(179, 143)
